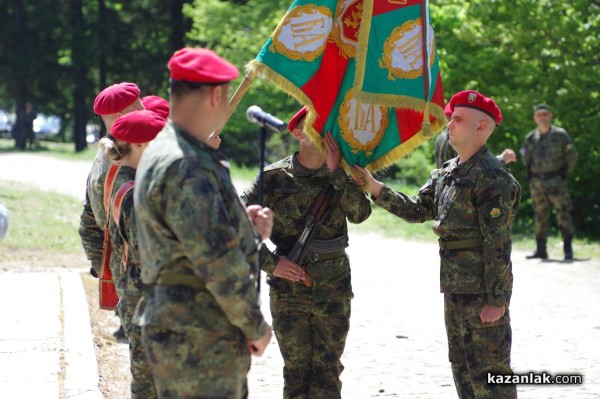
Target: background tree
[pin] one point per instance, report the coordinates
(525, 52)
(238, 30)
(58, 55)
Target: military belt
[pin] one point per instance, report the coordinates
(546, 175)
(315, 256)
(188, 280)
(469, 243)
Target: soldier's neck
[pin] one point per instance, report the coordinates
(310, 157)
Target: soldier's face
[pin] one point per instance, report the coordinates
(542, 118)
(462, 126)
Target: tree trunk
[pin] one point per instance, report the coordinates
(79, 75)
(177, 25)
(18, 74)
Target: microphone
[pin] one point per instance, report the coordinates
(256, 115)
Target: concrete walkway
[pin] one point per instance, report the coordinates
(46, 344)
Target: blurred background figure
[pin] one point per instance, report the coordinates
(549, 155)
(3, 221)
(22, 130)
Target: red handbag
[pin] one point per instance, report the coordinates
(106, 289)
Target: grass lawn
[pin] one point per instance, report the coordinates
(47, 221)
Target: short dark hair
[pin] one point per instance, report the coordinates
(541, 107)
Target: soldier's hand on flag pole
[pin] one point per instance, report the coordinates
(333, 152)
(364, 177)
(289, 270)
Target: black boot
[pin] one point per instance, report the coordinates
(540, 251)
(568, 247)
(120, 333)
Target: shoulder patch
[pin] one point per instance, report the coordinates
(495, 213)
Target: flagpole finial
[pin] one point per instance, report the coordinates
(426, 125)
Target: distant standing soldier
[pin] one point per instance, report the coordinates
(202, 319)
(124, 146)
(444, 151)
(549, 155)
(310, 323)
(472, 201)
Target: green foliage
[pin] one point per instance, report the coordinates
(522, 53)
(238, 32)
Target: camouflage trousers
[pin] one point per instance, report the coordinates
(130, 291)
(551, 193)
(476, 349)
(311, 337)
(196, 363)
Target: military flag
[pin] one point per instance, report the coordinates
(312, 55)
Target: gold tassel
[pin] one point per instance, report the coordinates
(426, 126)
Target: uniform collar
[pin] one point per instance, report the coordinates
(464, 168)
(301, 171)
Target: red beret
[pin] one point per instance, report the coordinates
(116, 98)
(158, 105)
(200, 65)
(138, 127)
(296, 118)
(474, 99)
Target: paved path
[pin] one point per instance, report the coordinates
(396, 346)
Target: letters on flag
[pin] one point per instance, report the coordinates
(318, 54)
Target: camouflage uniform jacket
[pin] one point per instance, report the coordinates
(478, 198)
(126, 231)
(191, 222)
(546, 153)
(93, 217)
(290, 190)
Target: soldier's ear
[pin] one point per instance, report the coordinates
(297, 132)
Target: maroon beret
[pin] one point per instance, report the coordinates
(200, 65)
(474, 99)
(116, 98)
(158, 105)
(296, 118)
(138, 127)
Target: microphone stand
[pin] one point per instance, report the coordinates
(262, 139)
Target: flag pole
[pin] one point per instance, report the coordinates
(426, 126)
(234, 101)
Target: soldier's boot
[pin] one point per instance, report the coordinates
(119, 333)
(568, 248)
(540, 251)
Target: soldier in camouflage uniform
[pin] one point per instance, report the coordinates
(444, 151)
(549, 155)
(129, 138)
(310, 323)
(201, 320)
(110, 104)
(473, 201)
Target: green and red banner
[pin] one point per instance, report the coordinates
(318, 53)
